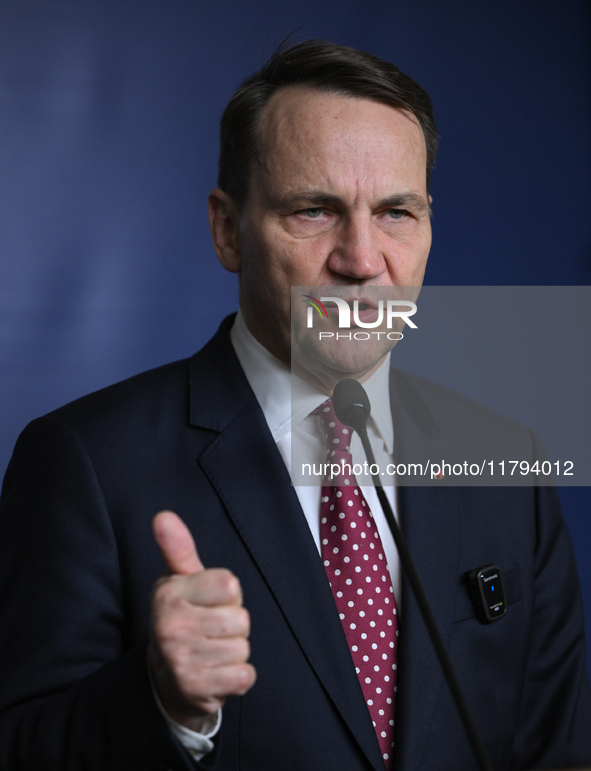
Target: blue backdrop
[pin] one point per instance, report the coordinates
(108, 141)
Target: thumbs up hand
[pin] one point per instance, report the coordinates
(199, 646)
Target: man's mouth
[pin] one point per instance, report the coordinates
(367, 310)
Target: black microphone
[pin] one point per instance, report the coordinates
(352, 407)
(351, 404)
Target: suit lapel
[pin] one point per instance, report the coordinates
(250, 478)
(429, 519)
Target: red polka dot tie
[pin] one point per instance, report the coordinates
(355, 564)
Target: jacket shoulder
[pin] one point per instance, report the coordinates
(134, 398)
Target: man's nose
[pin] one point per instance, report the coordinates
(356, 252)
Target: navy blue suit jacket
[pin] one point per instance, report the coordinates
(78, 562)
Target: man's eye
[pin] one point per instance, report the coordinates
(312, 213)
(396, 214)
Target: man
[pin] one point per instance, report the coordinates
(324, 170)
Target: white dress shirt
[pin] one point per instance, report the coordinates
(287, 401)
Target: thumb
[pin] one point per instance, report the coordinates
(176, 544)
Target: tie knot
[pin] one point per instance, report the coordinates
(338, 435)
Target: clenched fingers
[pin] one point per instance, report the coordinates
(213, 588)
(199, 645)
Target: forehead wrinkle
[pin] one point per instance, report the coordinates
(319, 175)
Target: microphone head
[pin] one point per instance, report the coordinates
(351, 403)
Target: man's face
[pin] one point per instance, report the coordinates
(338, 198)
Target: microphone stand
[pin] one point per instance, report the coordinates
(358, 418)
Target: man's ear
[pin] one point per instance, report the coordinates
(223, 224)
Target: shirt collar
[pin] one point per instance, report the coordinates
(286, 399)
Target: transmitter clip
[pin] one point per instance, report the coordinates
(487, 592)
